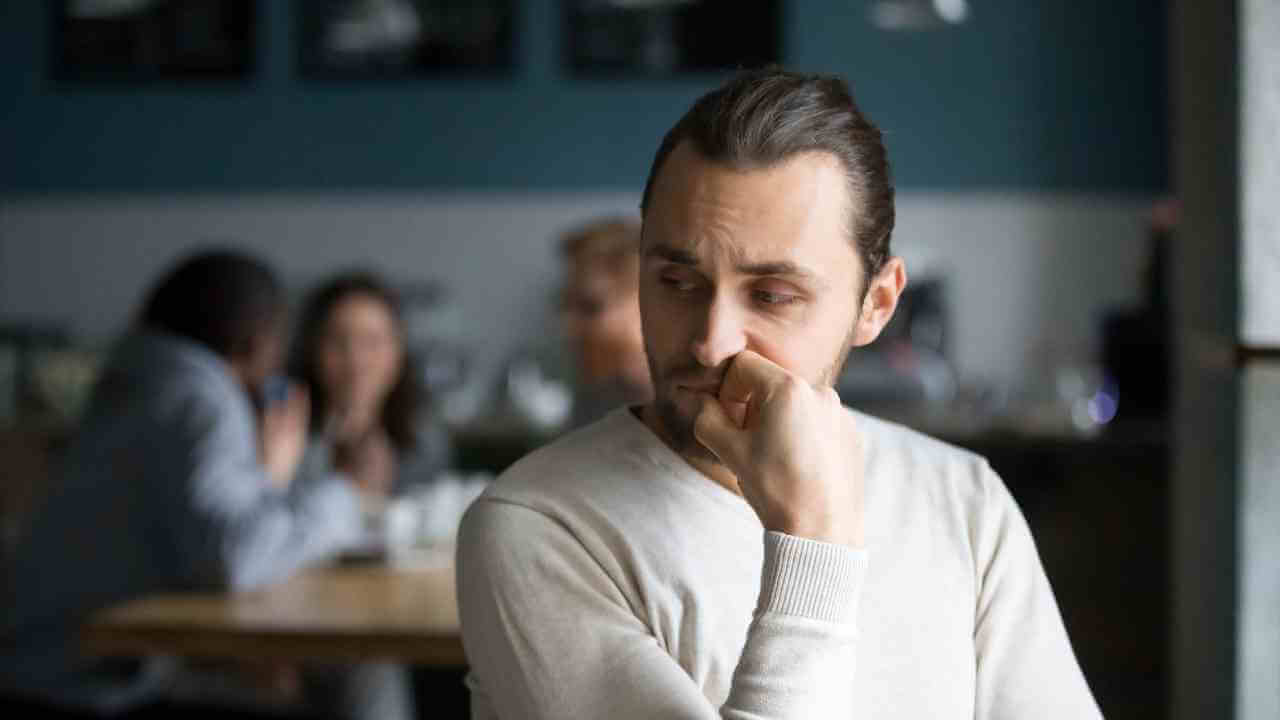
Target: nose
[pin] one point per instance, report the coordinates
(721, 335)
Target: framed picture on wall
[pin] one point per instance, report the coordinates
(372, 39)
(152, 40)
(669, 37)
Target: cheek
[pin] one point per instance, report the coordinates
(385, 365)
(332, 367)
(788, 352)
(806, 350)
(398, 365)
(649, 314)
(666, 331)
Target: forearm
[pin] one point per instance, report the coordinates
(289, 535)
(798, 660)
(246, 535)
(548, 635)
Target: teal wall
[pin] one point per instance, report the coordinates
(1030, 94)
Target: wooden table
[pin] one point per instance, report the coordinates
(328, 614)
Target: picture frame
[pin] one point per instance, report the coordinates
(356, 40)
(664, 38)
(150, 41)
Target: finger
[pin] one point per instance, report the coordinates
(750, 375)
(299, 403)
(737, 412)
(717, 432)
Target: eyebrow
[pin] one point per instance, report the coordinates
(684, 257)
(671, 254)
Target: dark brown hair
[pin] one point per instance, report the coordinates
(222, 299)
(763, 117)
(400, 410)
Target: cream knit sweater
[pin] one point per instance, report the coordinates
(604, 577)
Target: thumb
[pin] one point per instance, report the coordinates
(717, 432)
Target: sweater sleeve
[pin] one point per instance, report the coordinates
(1025, 664)
(232, 529)
(549, 634)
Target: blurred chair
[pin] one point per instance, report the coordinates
(28, 456)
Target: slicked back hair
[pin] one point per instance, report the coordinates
(762, 118)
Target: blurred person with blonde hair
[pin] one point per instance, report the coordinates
(600, 313)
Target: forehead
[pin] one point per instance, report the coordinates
(360, 308)
(796, 208)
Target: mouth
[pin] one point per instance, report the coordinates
(712, 390)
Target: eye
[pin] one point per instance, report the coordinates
(767, 297)
(677, 283)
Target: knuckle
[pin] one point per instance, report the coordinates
(789, 384)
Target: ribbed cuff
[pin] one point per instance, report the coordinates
(811, 579)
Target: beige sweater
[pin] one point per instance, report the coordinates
(604, 577)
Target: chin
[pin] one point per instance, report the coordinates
(678, 425)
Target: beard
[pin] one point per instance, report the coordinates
(677, 422)
(678, 425)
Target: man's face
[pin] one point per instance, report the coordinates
(731, 261)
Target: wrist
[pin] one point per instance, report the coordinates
(810, 578)
(819, 527)
(279, 476)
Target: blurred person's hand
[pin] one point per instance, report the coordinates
(795, 451)
(371, 464)
(284, 435)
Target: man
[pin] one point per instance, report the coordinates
(744, 547)
(601, 316)
(169, 485)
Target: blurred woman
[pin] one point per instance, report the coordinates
(367, 416)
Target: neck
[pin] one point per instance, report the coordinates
(355, 437)
(714, 470)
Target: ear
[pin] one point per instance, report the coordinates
(880, 301)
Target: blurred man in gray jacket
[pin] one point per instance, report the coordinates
(181, 477)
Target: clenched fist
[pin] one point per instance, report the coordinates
(795, 451)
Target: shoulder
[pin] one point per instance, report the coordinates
(174, 373)
(602, 488)
(537, 517)
(892, 440)
(595, 462)
(926, 468)
(155, 385)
